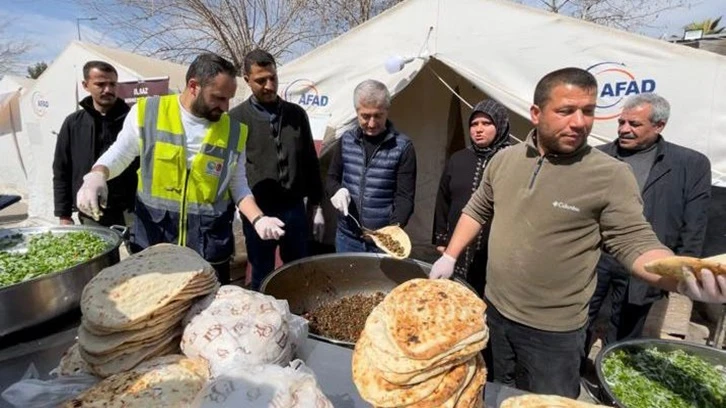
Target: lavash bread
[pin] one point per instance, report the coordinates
(168, 381)
(672, 266)
(420, 348)
(544, 401)
(238, 326)
(132, 311)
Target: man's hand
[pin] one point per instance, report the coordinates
(65, 221)
(93, 194)
(709, 289)
(443, 268)
(318, 224)
(341, 201)
(269, 228)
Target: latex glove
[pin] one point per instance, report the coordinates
(92, 195)
(269, 228)
(318, 225)
(708, 289)
(443, 268)
(341, 200)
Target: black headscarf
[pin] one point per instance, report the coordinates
(500, 117)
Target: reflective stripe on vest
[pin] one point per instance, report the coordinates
(165, 183)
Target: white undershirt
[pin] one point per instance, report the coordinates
(126, 148)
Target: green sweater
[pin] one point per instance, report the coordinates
(552, 215)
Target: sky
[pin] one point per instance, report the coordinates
(51, 24)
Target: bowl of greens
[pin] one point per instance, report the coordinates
(654, 373)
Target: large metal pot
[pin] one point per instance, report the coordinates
(309, 282)
(708, 354)
(38, 300)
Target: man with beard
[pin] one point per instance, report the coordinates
(489, 133)
(553, 202)
(675, 183)
(192, 160)
(83, 137)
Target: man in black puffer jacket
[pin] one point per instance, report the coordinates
(84, 136)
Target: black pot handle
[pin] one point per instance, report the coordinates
(122, 230)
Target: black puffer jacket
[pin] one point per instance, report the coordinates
(83, 138)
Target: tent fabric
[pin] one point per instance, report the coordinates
(500, 49)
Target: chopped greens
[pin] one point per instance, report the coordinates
(649, 378)
(46, 253)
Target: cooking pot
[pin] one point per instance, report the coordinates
(708, 354)
(38, 300)
(310, 282)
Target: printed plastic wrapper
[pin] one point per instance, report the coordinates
(243, 326)
(47, 393)
(268, 386)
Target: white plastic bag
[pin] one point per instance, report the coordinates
(48, 393)
(242, 325)
(268, 386)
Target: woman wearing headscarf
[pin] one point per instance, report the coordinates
(489, 133)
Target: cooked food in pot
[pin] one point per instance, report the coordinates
(343, 319)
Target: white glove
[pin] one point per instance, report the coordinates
(341, 201)
(318, 225)
(443, 268)
(93, 192)
(269, 228)
(708, 289)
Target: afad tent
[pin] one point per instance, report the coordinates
(500, 49)
(40, 107)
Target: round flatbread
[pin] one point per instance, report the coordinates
(426, 318)
(131, 291)
(544, 401)
(673, 266)
(393, 240)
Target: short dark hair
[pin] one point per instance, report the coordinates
(207, 66)
(258, 57)
(99, 65)
(570, 76)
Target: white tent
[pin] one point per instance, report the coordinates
(44, 104)
(500, 49)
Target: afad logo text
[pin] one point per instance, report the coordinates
(616, 82)
(304, 93)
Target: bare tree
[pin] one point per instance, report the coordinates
(623, 14)
(181, 29)
(11, 50)
(339, 16)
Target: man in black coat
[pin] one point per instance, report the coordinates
(84, 136)
(675, 184)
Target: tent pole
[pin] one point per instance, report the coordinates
(15, 141)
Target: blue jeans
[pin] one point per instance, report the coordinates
(346, 243)
(293, 245)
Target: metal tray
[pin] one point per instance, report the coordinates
(310, 282)
(708, 354)
(38, 300)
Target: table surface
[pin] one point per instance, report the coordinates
(331, 364)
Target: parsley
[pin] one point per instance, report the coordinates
(47, 253)
(655, 379)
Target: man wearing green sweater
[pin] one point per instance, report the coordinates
(557, 202)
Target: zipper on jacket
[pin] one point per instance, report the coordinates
(536, 171)
(183, 213)
(362, 179)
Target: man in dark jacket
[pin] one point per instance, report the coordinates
(84, 136)
(675, 184)
(489, 133)
(282, 168)
(372, 173)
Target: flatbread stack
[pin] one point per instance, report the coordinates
(132, 311)
(168, 381)
(420, 348)
(544, 401)
(673, 266)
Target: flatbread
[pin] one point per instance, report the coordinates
(170, 381)
(71, 363)
(374, 389)
(391, 233)
(453, 401)
(427, 317)
(104, 344)
(544, 401)
(132, 290)
(127, 348)
(473, 394)
(128, 361)
(673, 266)
(172, 315)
